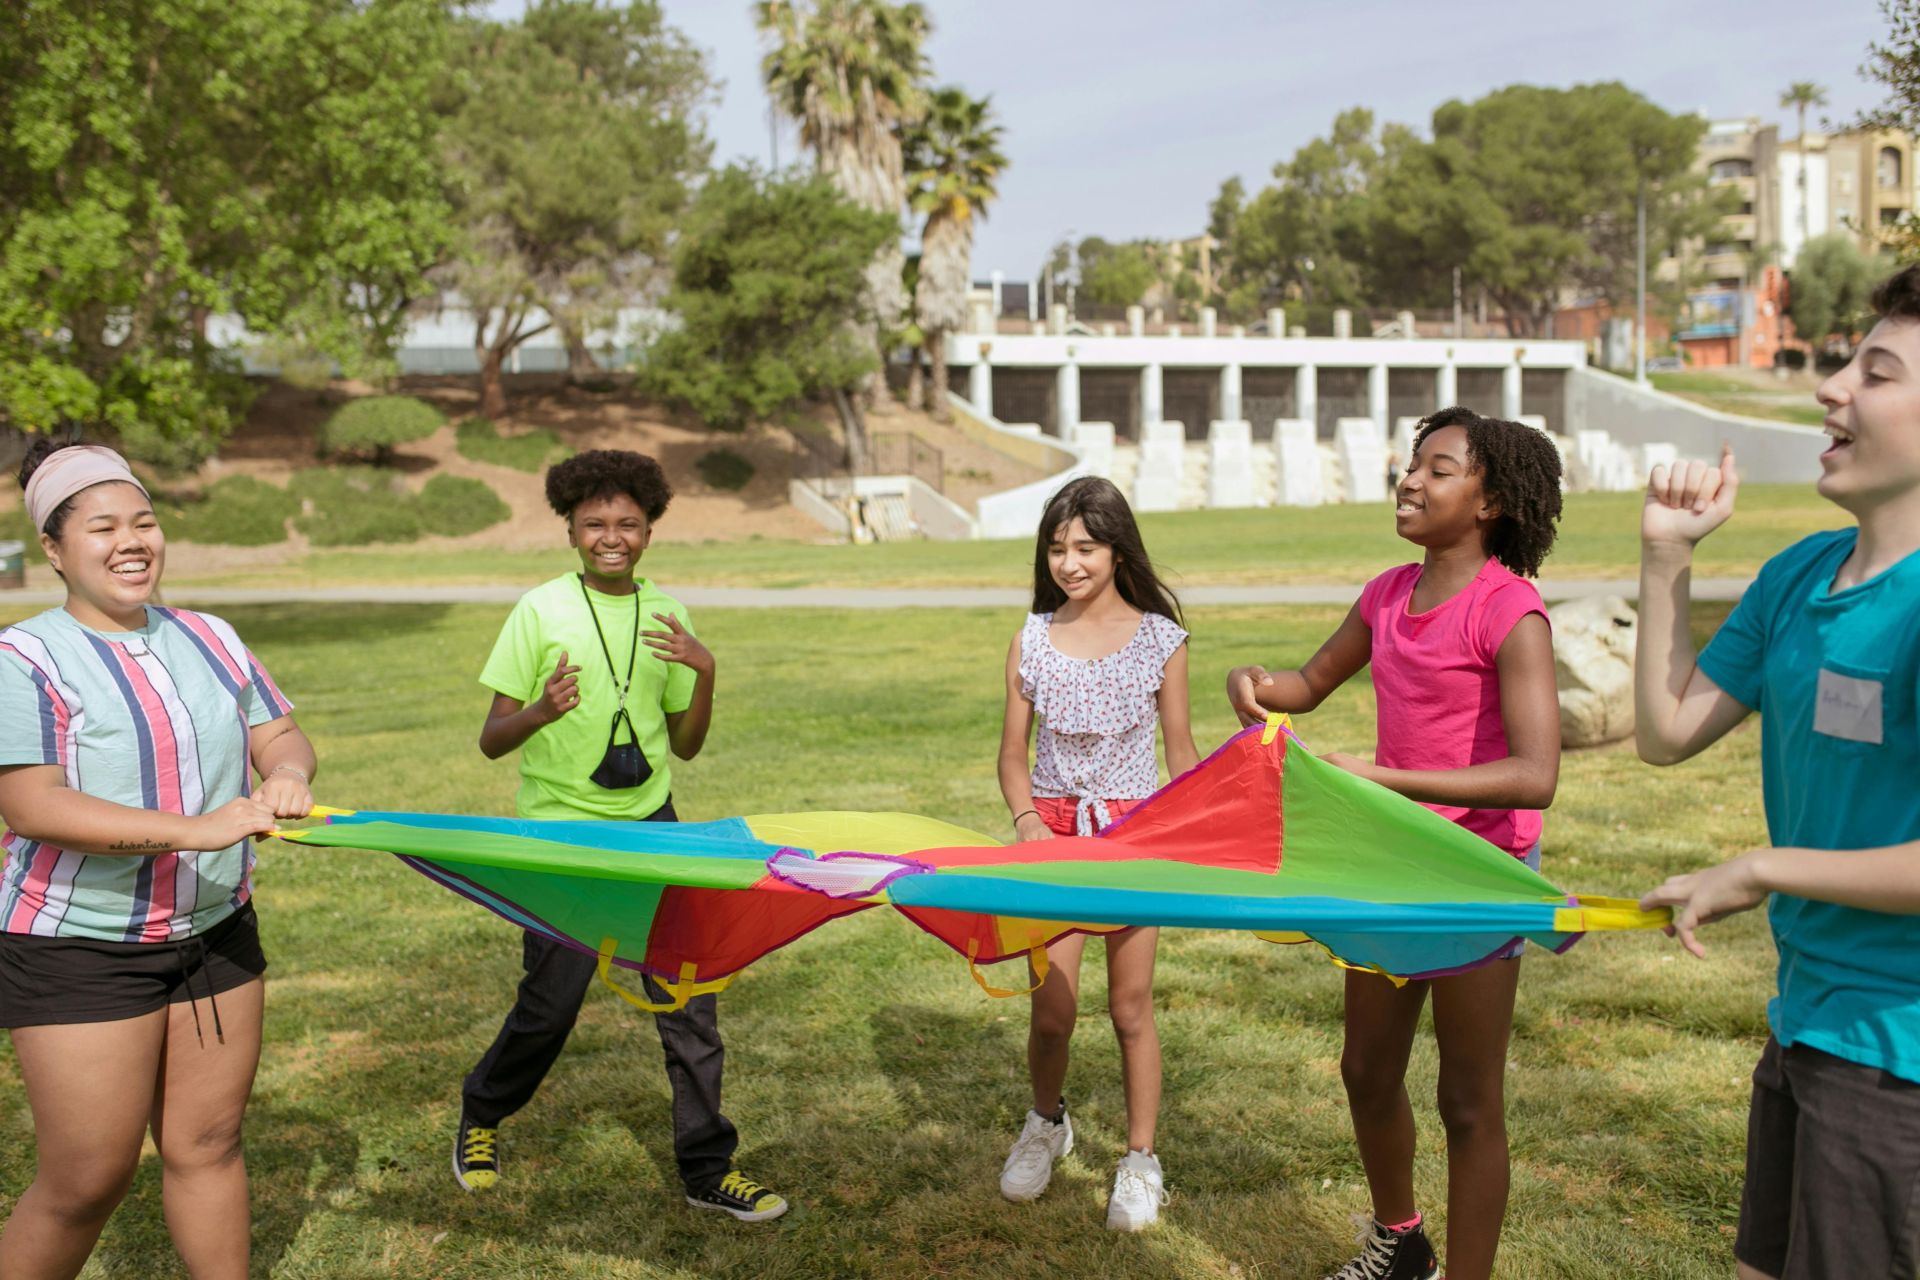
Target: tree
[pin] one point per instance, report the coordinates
(851, 73)
(1286, 241)
(769, 284)
(1895, 64)
(1800, 95)
(1830, 288)
(953, 160)
(1119, 275)
(163, 161)
(572, 145)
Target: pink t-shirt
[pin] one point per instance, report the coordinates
(1438, 688)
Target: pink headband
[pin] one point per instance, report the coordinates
(67, 471)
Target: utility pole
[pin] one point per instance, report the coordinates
(1458, 330)
(1640, 288)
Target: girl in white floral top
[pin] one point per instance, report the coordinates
(1100, 660)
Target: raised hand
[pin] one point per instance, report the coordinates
(677, 644)
(562, 691)
(1689, 500)
(1242, 682)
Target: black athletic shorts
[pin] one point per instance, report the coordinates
(44, 981)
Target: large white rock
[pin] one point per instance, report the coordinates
(1296, 464)
(1593, 669)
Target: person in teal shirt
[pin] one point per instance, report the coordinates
(599, 681)
(1825, 645)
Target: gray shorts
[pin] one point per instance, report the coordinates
(1833, 1170)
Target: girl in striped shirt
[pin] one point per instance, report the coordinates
(130, 961)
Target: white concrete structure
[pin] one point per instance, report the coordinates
(1095, 441)
(1296, 458)
(1379, 393)
(1162, 450)
(1230, 464)
(1363, 458)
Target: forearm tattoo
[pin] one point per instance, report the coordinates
(139, 846)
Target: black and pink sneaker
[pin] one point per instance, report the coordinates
(1390, 1255)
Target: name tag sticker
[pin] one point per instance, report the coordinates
(1848, 707)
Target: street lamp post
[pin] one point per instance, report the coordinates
(1640, 287)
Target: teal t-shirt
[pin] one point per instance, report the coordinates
(557, 762)
(1836, 678)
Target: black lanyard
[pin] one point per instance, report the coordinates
(631, 655)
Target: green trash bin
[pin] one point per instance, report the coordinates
(13, 565)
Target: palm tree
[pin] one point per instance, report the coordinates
(1800, 95)
(851, 73)
(952, 161)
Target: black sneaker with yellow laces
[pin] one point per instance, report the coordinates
(740, 1196)
(476, 1155)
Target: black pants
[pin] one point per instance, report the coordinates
(543, 1015)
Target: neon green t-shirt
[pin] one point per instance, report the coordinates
(557, 762)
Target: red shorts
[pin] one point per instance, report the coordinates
(1057, 812)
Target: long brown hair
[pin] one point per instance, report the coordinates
(1102, 508)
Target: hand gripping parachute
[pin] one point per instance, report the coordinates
(1263, 837)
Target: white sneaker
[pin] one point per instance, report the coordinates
(1138, 1192)
(1029, 1165)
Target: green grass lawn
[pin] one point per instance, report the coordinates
(1344, 543)
(1747, 396)
(871, 1080)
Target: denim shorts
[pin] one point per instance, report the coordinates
(1514, 949)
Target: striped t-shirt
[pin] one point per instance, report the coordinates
(153, 719)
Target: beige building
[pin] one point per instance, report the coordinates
(1857, 181)
(1742, 154)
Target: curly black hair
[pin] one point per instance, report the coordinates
(602, 473)
(1520, 472)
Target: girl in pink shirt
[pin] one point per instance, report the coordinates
(1469, 725)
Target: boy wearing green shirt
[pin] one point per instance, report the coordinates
(598, 680)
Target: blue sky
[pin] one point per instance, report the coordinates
(1124, 116)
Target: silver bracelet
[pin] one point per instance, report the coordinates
(304, 779)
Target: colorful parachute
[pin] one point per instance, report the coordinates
(1262, 836)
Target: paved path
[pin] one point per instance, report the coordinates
(1725, 589)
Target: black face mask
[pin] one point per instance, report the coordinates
(624, 765)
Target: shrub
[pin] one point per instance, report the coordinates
(480, 440)
(723, 469)
(15, 527)
(375, 424)
(454, 505)
(354, 506)
(236, 511)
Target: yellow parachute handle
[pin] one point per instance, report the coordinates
(318, 811)
(1276, 721)
(679, 992)
(1595, 914)
(1037, 956)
